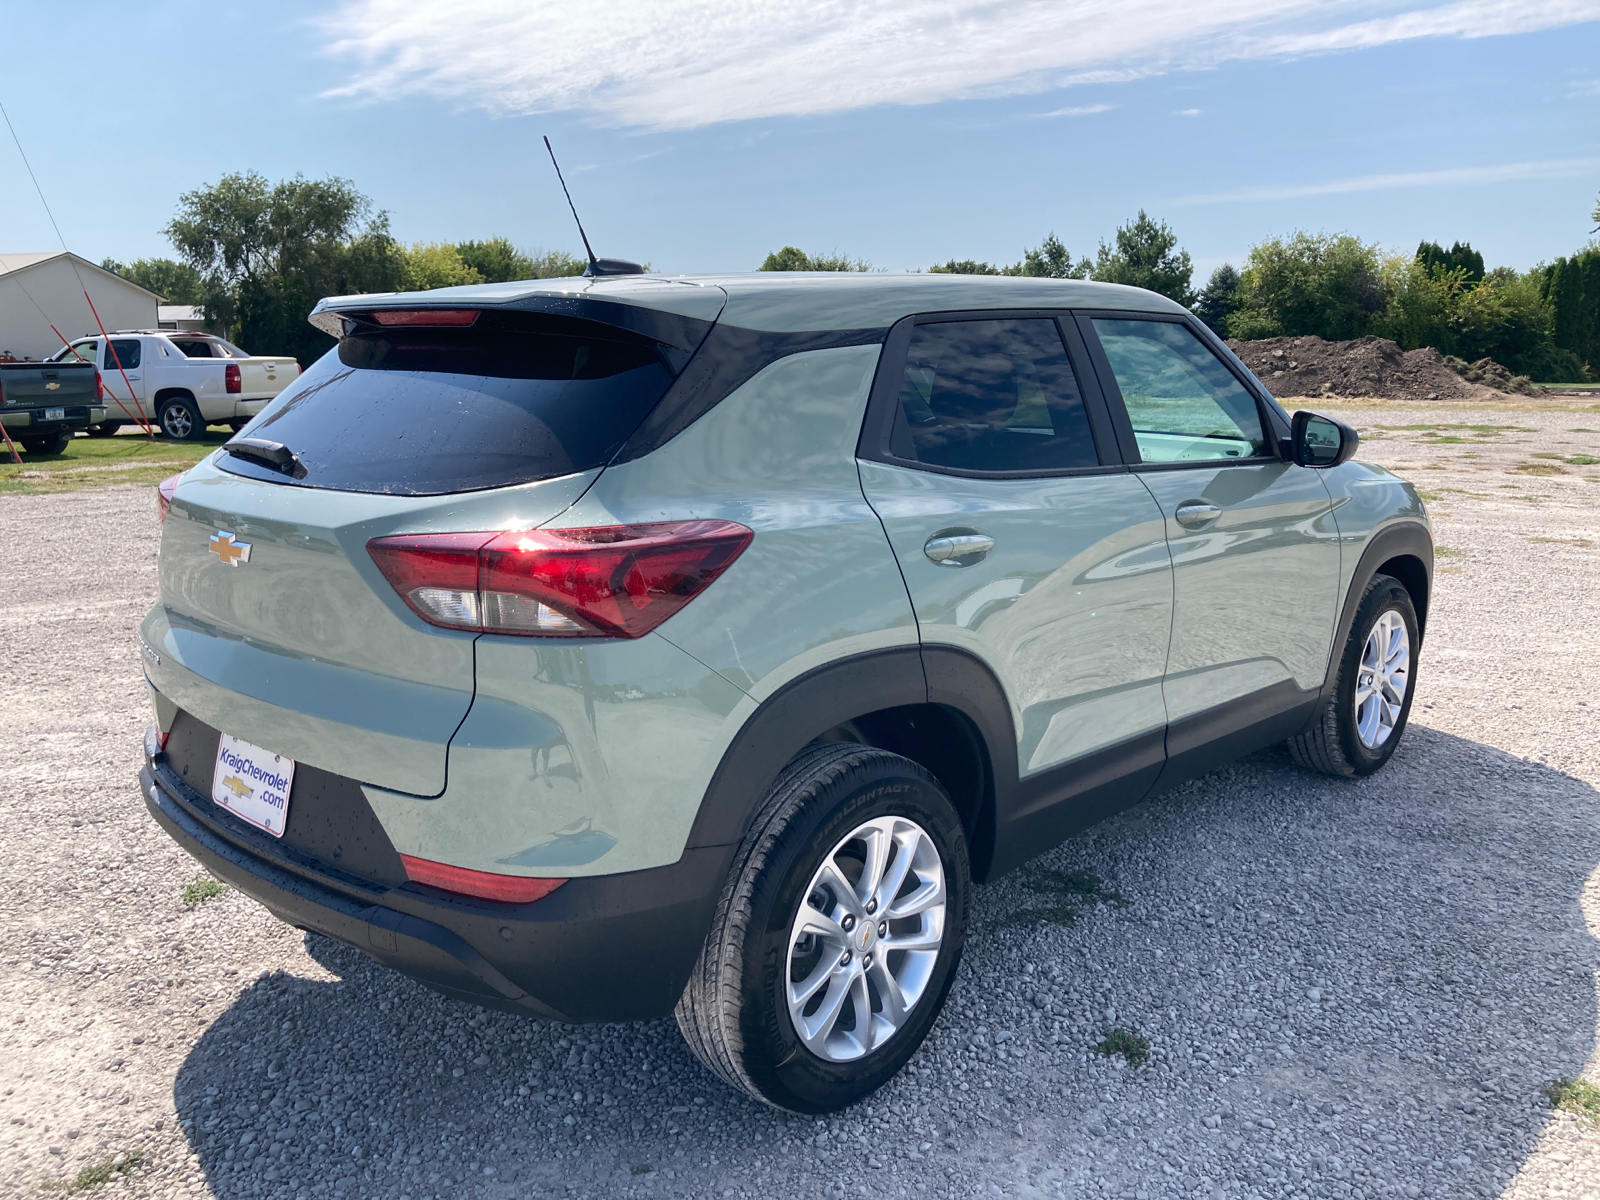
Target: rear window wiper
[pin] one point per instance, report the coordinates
(272, 455)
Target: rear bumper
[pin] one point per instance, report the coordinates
(604, 948)
(33, 423)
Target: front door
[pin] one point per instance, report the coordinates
(1255, 550)
(1025, 543)
(122, 369)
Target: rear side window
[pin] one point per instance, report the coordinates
(77, 352)
(195, 347)
(127, 356)
(991, 395)
(1184, 404)
(424, 411)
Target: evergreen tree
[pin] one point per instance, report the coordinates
(1219, 300)
(1145, 255)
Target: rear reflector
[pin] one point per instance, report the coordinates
(164, 493)
(510, 889)
(426, 316)
(609, 581)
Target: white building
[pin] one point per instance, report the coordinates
(182, 318)
(37, 290)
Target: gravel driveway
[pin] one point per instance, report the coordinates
(1348, 989)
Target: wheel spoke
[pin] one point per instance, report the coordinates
(894, 1002)
(878, 842)
(844, 895)
(800, 995)
(926, 938)
(815, 1029)
(905, 850)
(924, 898)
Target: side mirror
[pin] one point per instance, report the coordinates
(1319, 441)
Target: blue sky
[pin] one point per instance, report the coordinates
(699, 136)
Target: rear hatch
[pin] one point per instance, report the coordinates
(298, 644)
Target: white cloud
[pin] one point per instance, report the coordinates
(1084, 111)
(1554, 168)
(682, 63)
(1186, 112)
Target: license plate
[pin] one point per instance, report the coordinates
(55, 414)
(253, 784)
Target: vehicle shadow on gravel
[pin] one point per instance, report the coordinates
(1348, 989)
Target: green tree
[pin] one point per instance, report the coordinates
(1145, 254)
(432, 265)
(1595, 216)
(498, 261)
(1220, 299)
(966, 266)
(1572, 288)
(267, 253)
(1460, 257)
(1051, 260)
(792, 258)
(174, 282)
(1330, 285)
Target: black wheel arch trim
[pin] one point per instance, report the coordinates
(1405, 539)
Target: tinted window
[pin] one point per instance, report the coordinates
(425, 411)
(991, 396)
(127, 354)
(195, 347)
(1184, 404)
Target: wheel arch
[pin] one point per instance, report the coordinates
(1403, 550)
(943, 710)
(174, 393)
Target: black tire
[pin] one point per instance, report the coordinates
(54, 443)
(179, 418)
(734, 1012)
(236, 426)
(1333, 744)
(104, 429)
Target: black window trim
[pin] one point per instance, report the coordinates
(884, 398)
(1273, 423)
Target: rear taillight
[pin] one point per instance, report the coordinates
(509, 889)
(99, 385)
(612, 581)
(164, 493)
(232, 382)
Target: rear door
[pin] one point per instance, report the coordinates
(1025, 543)
(274, 623)
(1255, 549)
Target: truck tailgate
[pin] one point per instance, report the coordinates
(262, 376)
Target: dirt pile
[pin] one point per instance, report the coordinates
(1368, 366)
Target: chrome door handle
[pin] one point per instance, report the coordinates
(958, 549)
(1194, 513)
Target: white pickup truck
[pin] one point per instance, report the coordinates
(181, 381)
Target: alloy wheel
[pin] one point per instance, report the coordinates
(1382, 678)
(863, 945)
(176, 422)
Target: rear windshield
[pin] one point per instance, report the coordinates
(426, 411)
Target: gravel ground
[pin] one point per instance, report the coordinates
(1349, 989)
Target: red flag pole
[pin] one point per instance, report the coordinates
(136, 420)
(144, 422)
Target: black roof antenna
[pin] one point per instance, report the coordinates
(597, 266)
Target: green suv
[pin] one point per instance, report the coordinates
(598, 649)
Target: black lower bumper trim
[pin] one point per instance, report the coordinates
(606, 948)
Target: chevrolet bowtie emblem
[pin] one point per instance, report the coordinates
(50, 387)
(229, 551)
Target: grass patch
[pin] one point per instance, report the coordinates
(90, 464)
(1580, 543)
(100, 1174)
(197, 893)
(1581, 429)
(1539, 468)
(1071, 891)
(1576, 1096)
(1581, 460)
(1130, 1043)
(1448, 552)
